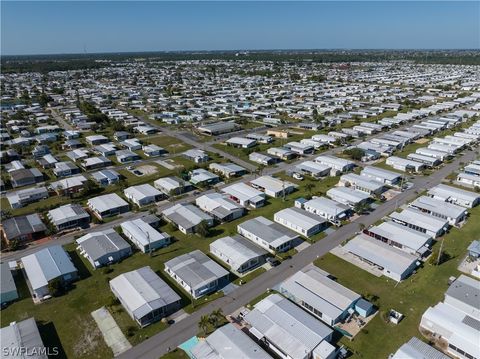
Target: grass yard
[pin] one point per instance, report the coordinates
(133, 179)
(68, 317)
(171, 144)
(410, 297)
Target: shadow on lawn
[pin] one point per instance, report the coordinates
(50, 339)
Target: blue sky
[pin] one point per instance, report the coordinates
(70, 26)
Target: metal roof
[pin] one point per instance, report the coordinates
(7, 283)
(22, 335)
(437, 206)
(142, 291)
(272, 233)
(67, 213)
(416, 349)
(101, 244)
(47, 264)
(228, 342)
(22, 225)
(401, 234)
(107, 202)
(288, 326)
(186, 215)
(313, 286)
(420, 219)
(381, 254)
(237, 249)
(196, 269)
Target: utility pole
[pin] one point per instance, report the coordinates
(149, 244)
(440, 251)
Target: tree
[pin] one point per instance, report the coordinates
(355, 154)
(204, 323)
(360, 208)
(216, 316)
(203, 229)
(55, 287)
(309, 186)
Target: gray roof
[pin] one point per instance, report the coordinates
(420, 219)
(143, 291)
(272, 233)
(22, 335)
(437, 206)
(101, 244)
(196, 269)
(416, 349)
(67, 213)
(238, 249)
(22, 225)
(228, 342)
(7, 283)
(379, 253)
(401, 234)
(466, 290)
(315, 287)
(107, 202)
(186, 215)
(47, 264)
(288, 326)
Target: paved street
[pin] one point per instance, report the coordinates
(158, 345)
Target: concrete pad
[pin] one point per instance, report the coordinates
(178, 316)
(302, 246)
(112, 334)
(346, 256)
(329, 230)
(167, 165)
(229, 288)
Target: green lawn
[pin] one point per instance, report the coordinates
(410, 297)
(79, 336)
(171, 144)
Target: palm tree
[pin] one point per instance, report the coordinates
(204, 323)
(216, 316)
(309, 186)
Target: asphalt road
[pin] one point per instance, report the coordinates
(159, 344)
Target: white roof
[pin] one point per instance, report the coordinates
(375, 251)
(289, 327)
(243, 191)
(142, 291)
(348, 194)
(272, 184)
(107, 202)
(447, 193)
(420, 219)
(237, 249)
(315, 287)
(400, 234)
(142, 191)
(228, 342)
(298, 217)
(47, 264)
(143, 232)
(437, 206)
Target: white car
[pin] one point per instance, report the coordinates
(297, 176)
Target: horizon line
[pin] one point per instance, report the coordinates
(239, 50)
